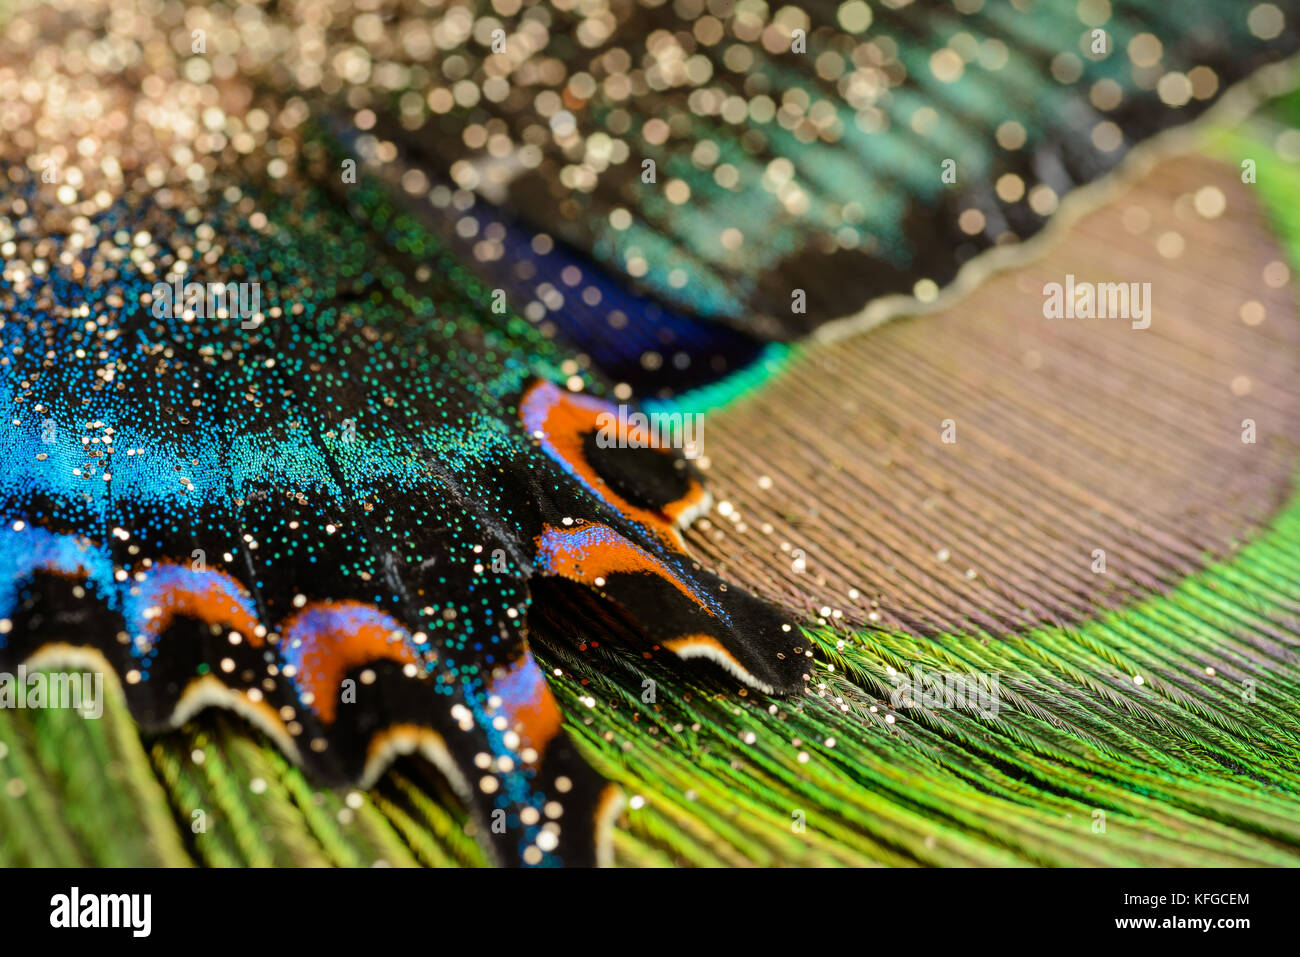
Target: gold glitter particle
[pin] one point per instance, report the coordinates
(1265, 21)
(1253, 312)
(1066, 68)
(925, 120)
(1010, 188)
(1241, 385)
(854, 16)
(705, 154)
(1277, 274)
(926, 290)
(1043, 200)
(1210, 202)
(971, 222)
(1174, 89)
(677, 192)
(726, 176)
(1107, 137)
(655, 132)
(1170, 244)
(1106, 94)
(965, 46)
(946, 65)
(1205, 82)
(1093, 13)
(1010, 135)
(1145, 49)
(994, 54)
(738, 58)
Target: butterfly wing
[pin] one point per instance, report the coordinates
(266, 454)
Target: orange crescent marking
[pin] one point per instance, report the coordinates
(334, 650)
(568, 421)
(529, 705)
(203, 598)
(590, 561)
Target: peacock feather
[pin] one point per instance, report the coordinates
(336, 341)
